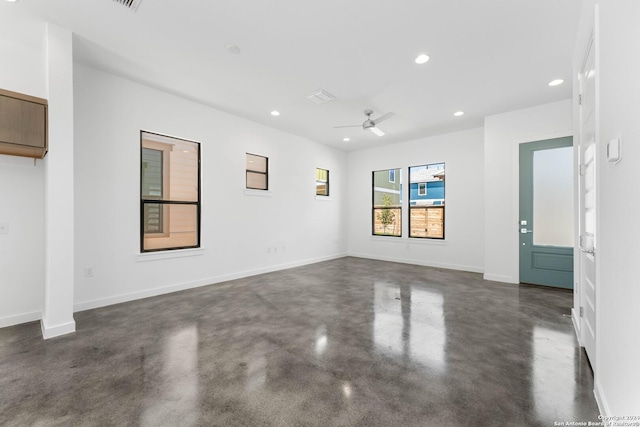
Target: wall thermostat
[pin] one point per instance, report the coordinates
(613, 151)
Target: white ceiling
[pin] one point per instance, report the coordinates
(487, 57)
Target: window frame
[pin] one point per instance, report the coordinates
(265, 173)
(390, 172)
(166, 180)
(398, 218)
(423, 186)
(326, 183)
(427, 207)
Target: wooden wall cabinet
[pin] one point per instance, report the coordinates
(23, 125)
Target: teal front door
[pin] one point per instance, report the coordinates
(546, 213)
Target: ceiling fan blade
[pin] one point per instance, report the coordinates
(384, 117)
(348, 126)
(377, 131)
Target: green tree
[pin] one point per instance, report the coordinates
(386, 216)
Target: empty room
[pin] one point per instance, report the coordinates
(288, 213)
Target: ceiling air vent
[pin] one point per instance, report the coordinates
(131, 4)
(320, 97)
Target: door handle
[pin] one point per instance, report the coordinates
(525, 231)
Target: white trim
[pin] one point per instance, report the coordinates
(57, 330)
(20, 318)
(500, 278)
(575, 318)
(178, 253)
(88, 305)
(409, 240)
(325, 198)
(254, 192)
(386, 190)
(457, 267)
(603, 407)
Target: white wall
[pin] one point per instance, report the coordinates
(617, 370)
(502, 135)
(21, 197)
(462, 153)
(241, 234)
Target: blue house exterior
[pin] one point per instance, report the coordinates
(434, 193)
(426, 185)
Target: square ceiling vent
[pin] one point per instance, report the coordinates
(320, 97)
(131, 4)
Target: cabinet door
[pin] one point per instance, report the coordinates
(22, 122)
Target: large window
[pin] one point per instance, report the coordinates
(257, 172)
(322, 182)
(169, 193)
(387, 202)
(426, 201)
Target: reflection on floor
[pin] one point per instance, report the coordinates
(344, 342)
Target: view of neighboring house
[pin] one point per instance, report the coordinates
(426, 185)
(389, 182)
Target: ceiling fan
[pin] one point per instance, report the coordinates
(371, 124)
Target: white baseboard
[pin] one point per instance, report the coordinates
(52, 331)
(458, 267)
(603, 407)
(103, 302)
(500, 278)
(20, 318)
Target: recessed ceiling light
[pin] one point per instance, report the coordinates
(556, 82)
(421, 59)
(12, 1)
(346, 139)
(458, 113)
(275, 113)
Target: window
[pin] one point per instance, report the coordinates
(322, 182)
(387, 203)
(169, 193)
(257, 172)
(426, 201)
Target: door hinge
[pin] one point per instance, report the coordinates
(580, 99)
(581, 311)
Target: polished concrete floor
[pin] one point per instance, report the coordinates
(350, 342)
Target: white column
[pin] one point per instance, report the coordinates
(57, 317)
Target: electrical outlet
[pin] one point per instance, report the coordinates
(4, 228)
(88, 272)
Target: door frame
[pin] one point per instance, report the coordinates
(558, 277)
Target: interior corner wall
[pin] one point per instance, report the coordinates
(617, 371)
(462, 248)
(241, 234)
(502, 135)
(21, 199)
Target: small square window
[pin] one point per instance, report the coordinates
(257, 172)
(322, 182)
(422, 189)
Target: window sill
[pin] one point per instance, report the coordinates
(410, 240)
(178, 253)
(263, 193)
(324, 198)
